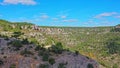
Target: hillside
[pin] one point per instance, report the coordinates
(99, 43)
(15, 53)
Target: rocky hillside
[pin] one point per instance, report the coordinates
(99, 43)
(15, 53)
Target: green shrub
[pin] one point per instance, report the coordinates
(17, 44)
(115, 66)
(6, 38)
(45, 57)
(26, 52)
(58, 48)
(51, 61)
(90, 66)
(12, 66)
(43, 66)
(33, 41)
(38, 47)
(62, 65)
(25, 41)
(40, 53)
(1, 62)
(17, 34)
(113, 45)
(76, 52)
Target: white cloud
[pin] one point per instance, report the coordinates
(44, 16)
(117, 16)
(107, 14)
(70, 20)
(63, 16)
(24, 2)
(55, 19)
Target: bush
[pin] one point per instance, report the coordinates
(115, 66)
(17, 44)
(25, 41)
(4, 56)
(44, 66)
(1, 62)
(113, 45)
(51, 61)
(90, 66)
(26, 52)
(17, 34)
(33, 41)
(12, 66)
(38, 47)
(45, 57)
(76, 52)
(58, 48)
(6, 38)
(62, 65)
(40, 53)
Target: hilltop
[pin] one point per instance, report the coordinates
(99, 43)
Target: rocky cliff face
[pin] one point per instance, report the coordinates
(66, 59)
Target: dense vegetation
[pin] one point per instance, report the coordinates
(99, 43)
(113, 45)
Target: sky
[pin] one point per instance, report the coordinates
(78, 13)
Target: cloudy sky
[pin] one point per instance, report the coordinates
(62, 12)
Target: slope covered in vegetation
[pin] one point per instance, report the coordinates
(99, 43)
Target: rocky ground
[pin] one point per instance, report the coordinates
(65, 60)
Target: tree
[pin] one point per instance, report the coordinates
(17, 34)
(58, 48)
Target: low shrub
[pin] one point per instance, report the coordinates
(12, 66)
(45, 57)
(26, 52)
(43, 66)
(51, 61)
(62, 65)
(90, 66)
(1, 62)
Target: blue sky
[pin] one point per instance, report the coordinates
(62, 12)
